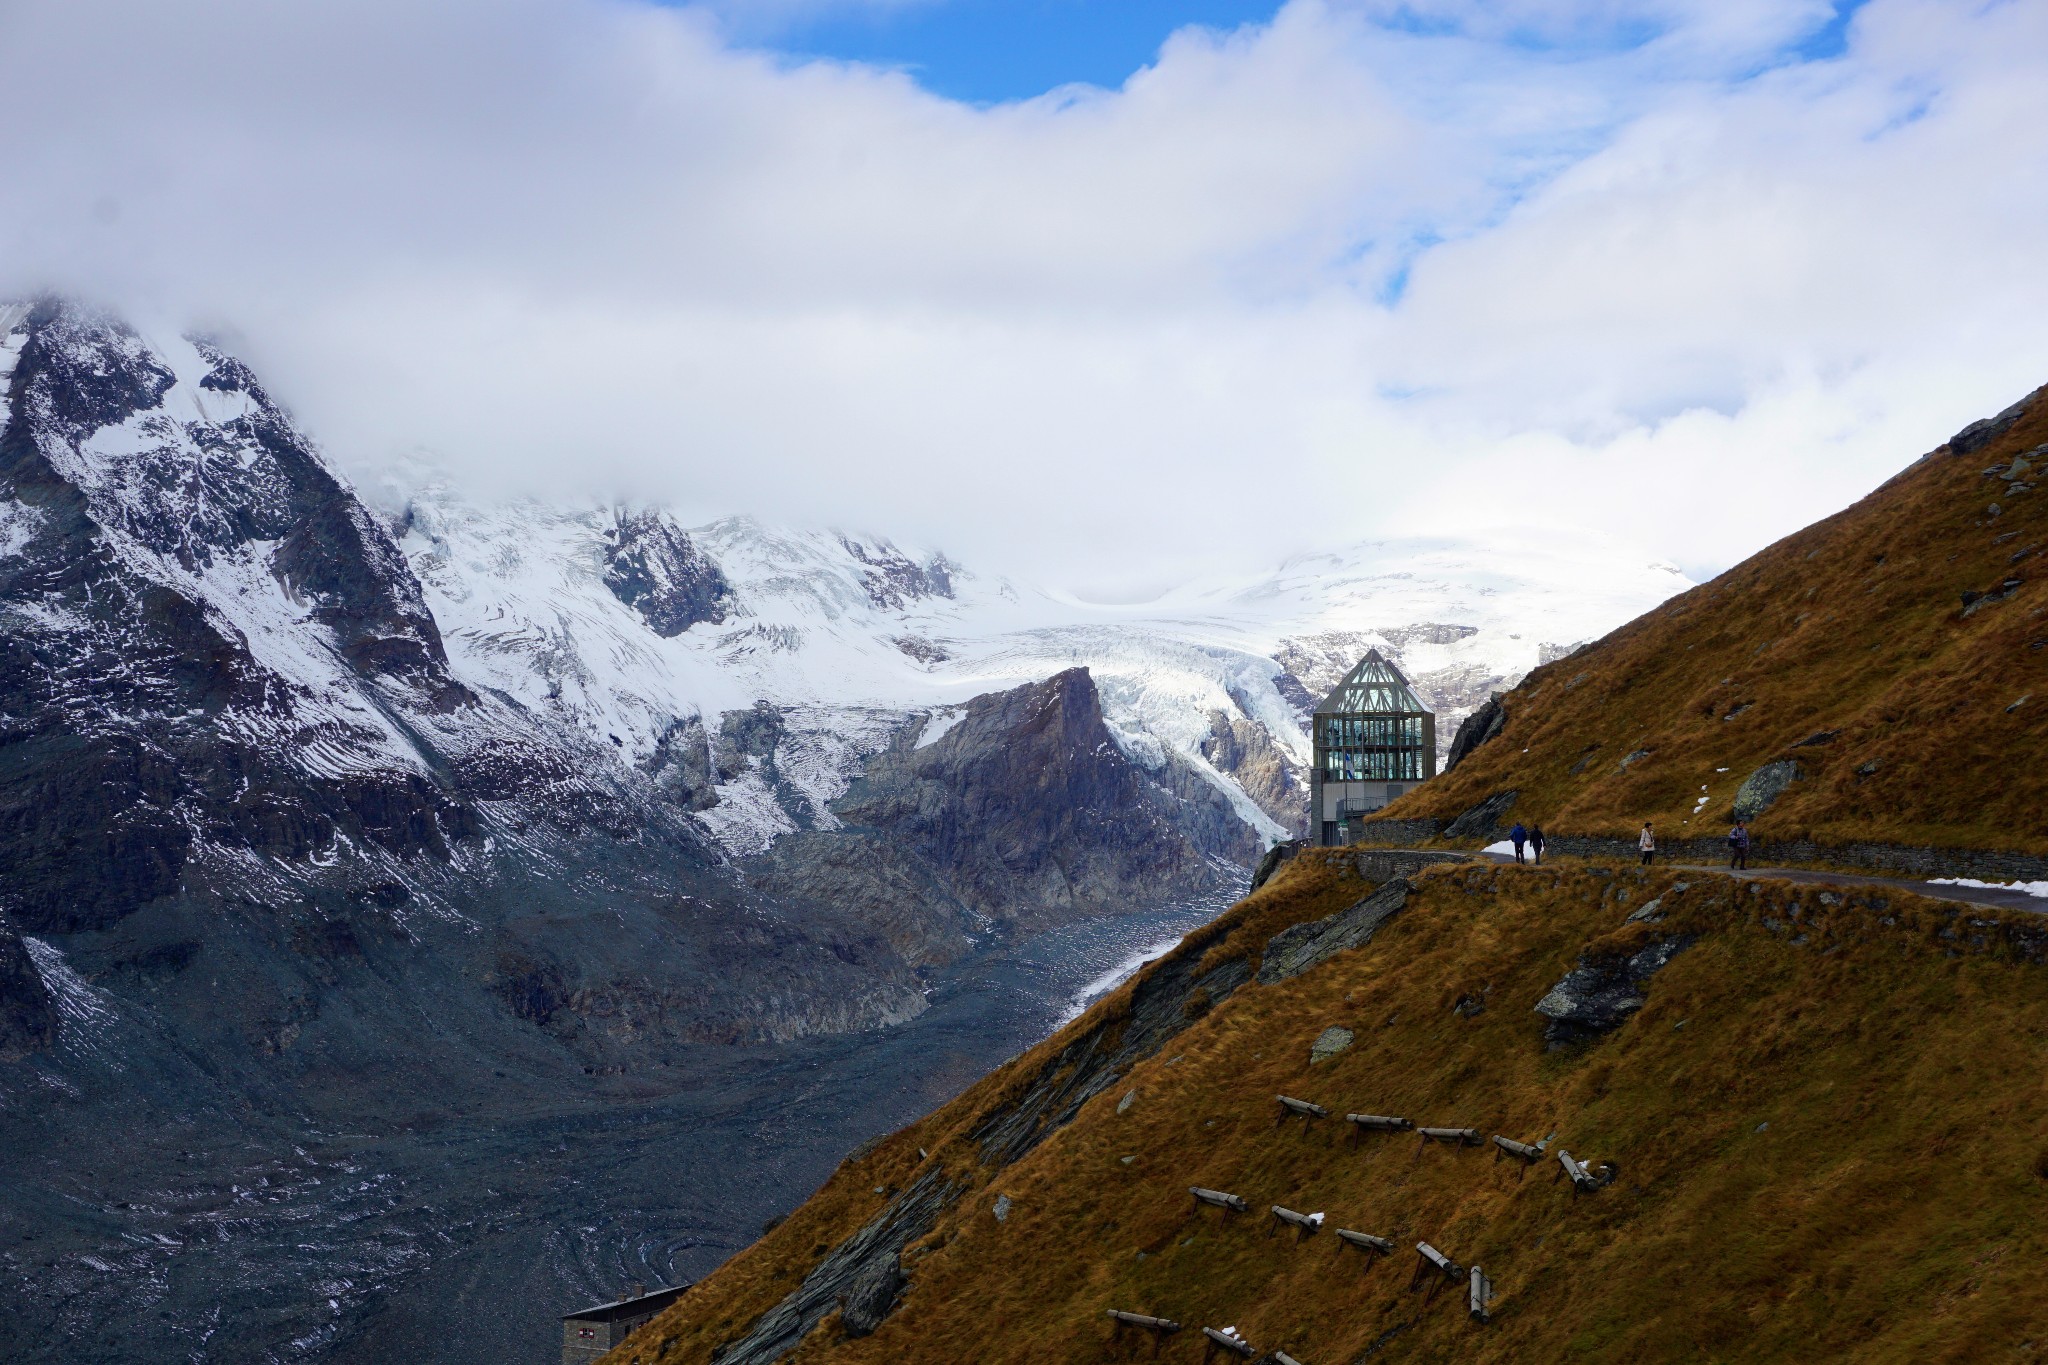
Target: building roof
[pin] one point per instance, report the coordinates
(629, 1307)
(1374, 687)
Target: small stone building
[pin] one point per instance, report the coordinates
(588, 1334)
(1374, 741)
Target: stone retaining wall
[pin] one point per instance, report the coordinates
(1988, 865)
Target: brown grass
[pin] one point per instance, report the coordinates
(1852, 625)
(1894, 1208)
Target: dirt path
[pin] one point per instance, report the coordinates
(1968, 895)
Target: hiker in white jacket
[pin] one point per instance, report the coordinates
(1648, 844)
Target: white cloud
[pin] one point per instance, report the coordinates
(1676, 286)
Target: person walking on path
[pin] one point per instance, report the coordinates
(1536, 844)
(1738, 847)
(1518, 836)
(1648, 844)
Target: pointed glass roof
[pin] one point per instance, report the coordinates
(1375, 687)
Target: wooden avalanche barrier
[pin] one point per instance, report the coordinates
(1159, 1328)
(1435, 1267)
(1583, 1180)
(1521, 1151)
(1229, 1203)
(1153, 1324)
(1372, 1247)
(1304, 1224)
(1282, 1358)
(1362, 1124)
(1224, 1341)
(1481, 1293)
(1455, 1137)
(1291, 1107)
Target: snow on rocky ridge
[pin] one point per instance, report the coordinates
(851, 637)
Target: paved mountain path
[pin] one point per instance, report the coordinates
(1970, 895)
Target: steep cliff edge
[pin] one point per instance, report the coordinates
(1802, 1134)
(1869, 690)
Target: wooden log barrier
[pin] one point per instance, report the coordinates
(1481, 1292)
(1522, 1152)
(1584, 1181)
(1435, 1267)
(1224, 1341)
(1160, 1328)
(1362, 1124)
(1304, 1224)
(1229, 1203)
(1308, 1113)
(1449, 1137)
(1373, 1248)
(1152, 1324)
(1282, 1358)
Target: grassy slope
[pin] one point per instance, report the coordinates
(1853, 624)
(1896, 1207)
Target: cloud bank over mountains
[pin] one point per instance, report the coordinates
(1688, 273)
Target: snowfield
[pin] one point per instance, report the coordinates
(520, 593)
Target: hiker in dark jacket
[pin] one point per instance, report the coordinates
(1536, 844)
(1738, 847)
(1518, 836)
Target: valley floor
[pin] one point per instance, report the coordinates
(245, 1237)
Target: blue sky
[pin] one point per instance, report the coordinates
(986, 51)
(1448, 263)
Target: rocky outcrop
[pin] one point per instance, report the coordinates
(894, 580)
(1245, 750)
(656, 569)
(1598, 996)
(1985, 430)
(28, 1018)
(1477, 728)
(1294, 950)
(1274, 859)
(1763, 787)
(1028, 812)
(1483, 820)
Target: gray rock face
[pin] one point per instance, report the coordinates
(1477, 728)
(872, 1295)
(1763, 787)
(1275, 858)
(1599, 994)
(28, 1019)
(1329, 1043)
(866, 1268)
(1027, 813)
(1247, 752)
(894, 580)
(1293, 951)
(656, 569)
(1984, 431)
(1483, 820)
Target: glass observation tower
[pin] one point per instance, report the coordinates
(1374, 741)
